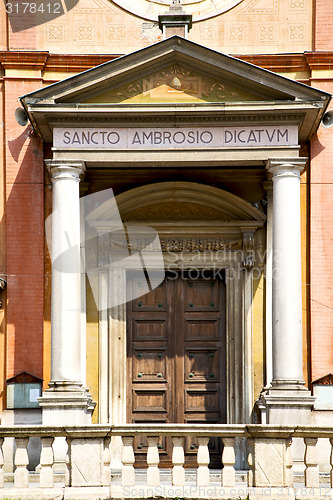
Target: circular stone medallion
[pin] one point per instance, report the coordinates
(200, 9)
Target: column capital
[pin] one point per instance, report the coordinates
(65, 169)
(286, 166)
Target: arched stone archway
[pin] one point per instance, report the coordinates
(223, 205)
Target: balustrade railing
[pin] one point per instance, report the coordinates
(87, 462)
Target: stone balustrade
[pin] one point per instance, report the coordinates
(87, 472)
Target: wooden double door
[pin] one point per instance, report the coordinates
(176, 358)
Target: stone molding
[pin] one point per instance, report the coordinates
(237, 209)
(75, 63)
(210, 118)
(286, 167)
(65, 169)
(248, 249)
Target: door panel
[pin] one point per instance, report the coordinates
(176, 360)
(149, 329)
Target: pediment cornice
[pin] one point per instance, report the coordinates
(276, 96)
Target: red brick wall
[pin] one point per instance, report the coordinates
(25, 237)
(323, 39)
(321, 248)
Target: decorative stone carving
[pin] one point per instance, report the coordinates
(188, 82)
(297, 32)
(55, 32)
(207, 33)
(236, 33)
(108, 245)
(248, 249)
(86, 33)
(266, 33)
(116, 32)
(297, 4)
(197, 245)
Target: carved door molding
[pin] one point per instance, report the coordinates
(239, 371)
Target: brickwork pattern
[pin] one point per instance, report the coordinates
(321, 253)
(323, 25)
(25, 238)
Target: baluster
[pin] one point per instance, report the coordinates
(68, 459)
(311, 463)
(153, 459)
(289, 464)
(203, 462)
(331, 462)
(128, 459)
(178, 459)
(250, 461)
(106, 478)
(21, 474)
(2, 479)
(228, 462)
(46, 478)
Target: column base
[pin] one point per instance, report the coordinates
(286, 402)
(66, 403)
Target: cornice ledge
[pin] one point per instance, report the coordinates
(298, 160)
(279, 63)
(44, 61)
(75, 63)
(319, 60)
(286, 166)
(65, 168)
(33, 60)
(78, 62)
(177, 119)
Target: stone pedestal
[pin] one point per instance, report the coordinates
(66, 403)
(286, 406)
(175, 21)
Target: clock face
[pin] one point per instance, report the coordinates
(200, 9)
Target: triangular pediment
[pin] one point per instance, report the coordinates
(177, 71)
(192, 60)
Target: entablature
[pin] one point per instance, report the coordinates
(303, 114)
(229, 157)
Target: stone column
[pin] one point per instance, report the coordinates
(66, 401)
(287, 401)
